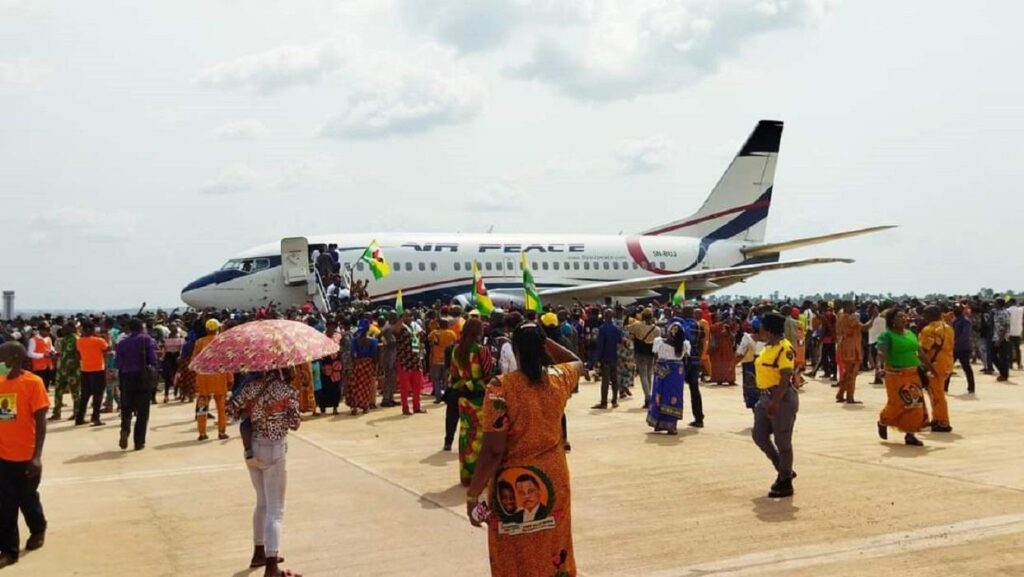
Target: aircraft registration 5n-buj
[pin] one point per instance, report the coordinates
(721, 244)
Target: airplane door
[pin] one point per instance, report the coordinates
(295, 261)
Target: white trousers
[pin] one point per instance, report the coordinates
(269, 478)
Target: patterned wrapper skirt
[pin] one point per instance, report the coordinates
(362, 389)
(667, 395)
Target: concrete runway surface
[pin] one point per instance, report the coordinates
(374, 495)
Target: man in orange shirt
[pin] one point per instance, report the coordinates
(91, 349)
(211, 387)
(23, 405)
(440, 339)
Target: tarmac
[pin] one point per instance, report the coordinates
(375, 496)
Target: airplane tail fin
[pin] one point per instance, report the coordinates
(738, 205)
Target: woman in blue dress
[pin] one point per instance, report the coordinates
(669, 378)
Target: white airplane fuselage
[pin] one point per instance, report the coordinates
(433, 267)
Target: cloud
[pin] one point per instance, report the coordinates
(497, 197)
(614, 49)
(248, 129)
(233, 180)
(317, 173)
(277, 69)
(416, 101)
(381, 92)
(645, 155)
(80, 223)
(22, 74)
(469, 25)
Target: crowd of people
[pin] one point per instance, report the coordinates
(503, 380)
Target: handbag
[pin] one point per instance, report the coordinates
(149, 373)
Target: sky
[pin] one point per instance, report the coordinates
(142, 144)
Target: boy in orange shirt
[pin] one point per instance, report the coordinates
(23, 405)
(91, 349)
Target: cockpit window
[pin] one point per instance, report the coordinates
(247, 265)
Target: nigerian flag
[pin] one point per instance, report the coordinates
(480, 297)
(375, 259)
(529, 287)
(680, 294)
(399, 307)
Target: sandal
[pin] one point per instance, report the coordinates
(257, 563)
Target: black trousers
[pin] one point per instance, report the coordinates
(828, 359)
(17, 491)
(696, 402)
(1004, 354)
(609, 378)
(94, 384)
(964, 358)
(47, 376)
(1015, 346)
(451, 416)
(134, 400)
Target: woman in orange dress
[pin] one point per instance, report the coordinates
(723, 350)
(529, 509)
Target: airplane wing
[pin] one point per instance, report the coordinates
(643, 286)
(760, 249)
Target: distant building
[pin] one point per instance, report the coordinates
(8, 305)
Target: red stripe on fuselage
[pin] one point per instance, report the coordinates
(758, 204)
(636, 252)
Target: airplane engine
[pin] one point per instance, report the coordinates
(502, 301)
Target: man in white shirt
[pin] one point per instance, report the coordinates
(1016, 328)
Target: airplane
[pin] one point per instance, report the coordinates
(719, 245)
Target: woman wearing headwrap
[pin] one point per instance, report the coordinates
(666, 406)
(362, 390)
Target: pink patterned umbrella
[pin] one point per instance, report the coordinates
(262, 346)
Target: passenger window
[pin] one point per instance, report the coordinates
(469, 267)
(487, 266)
(615, 265)
(606, 265)
(544, 265)
(423, 266)
(408, 266)
(398, 267)
(533, 265)
(360, 266)
(458, 266)
(433, 266)
(554, 265)
(576, 266)
(586, 265)
(661, 265)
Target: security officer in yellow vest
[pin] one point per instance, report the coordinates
(775, 412)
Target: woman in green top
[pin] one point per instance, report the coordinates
(898, 352)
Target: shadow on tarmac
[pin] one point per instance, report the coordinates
(439, 459)
(775, 510)
(104, 456)
(450, 497)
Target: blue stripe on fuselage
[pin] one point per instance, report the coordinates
(745, 220)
